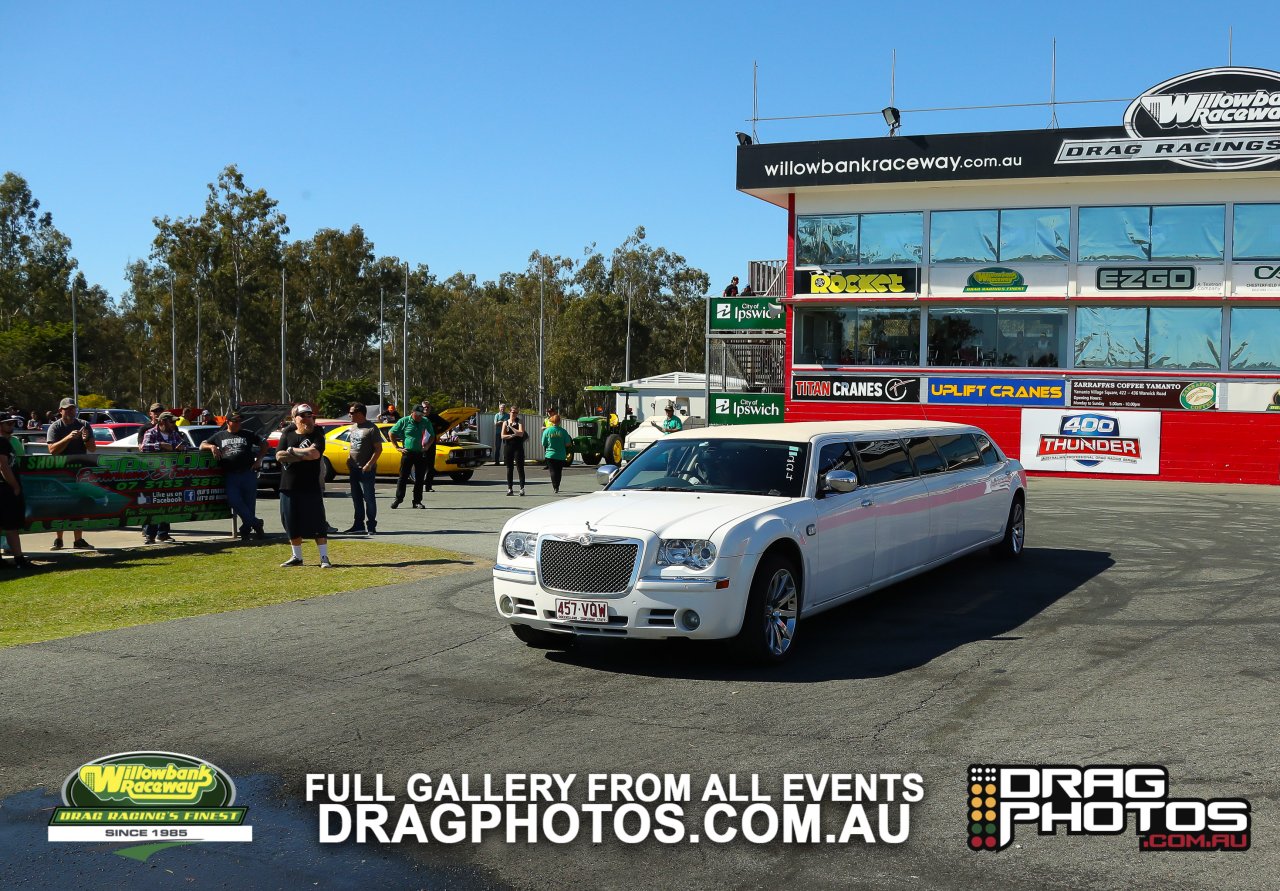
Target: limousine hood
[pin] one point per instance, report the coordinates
(665, 514)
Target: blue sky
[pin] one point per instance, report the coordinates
(468, 135)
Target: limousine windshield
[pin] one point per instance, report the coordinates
(729, 466)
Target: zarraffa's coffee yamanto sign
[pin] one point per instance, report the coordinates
(1217, 119)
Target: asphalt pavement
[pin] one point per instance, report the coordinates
(1139, 627)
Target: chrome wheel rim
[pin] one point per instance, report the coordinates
(781, 607)
(1018, 532)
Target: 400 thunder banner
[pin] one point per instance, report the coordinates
(113, 491)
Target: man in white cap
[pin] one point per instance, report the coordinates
(302, 485)
(70, 436)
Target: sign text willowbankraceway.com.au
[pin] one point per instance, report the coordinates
(560, 808)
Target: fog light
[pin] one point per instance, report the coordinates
(690, 620)
(505, 606)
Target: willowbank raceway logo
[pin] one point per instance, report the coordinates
(149, 797)
(1099, 800)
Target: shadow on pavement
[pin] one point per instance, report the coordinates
(894, 630)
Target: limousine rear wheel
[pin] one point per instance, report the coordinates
(542, 640)
(773, 611)
(1015, 531)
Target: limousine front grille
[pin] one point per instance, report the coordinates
(604, 568)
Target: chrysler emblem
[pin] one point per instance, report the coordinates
(585, 539)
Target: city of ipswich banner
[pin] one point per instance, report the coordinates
(105, 491)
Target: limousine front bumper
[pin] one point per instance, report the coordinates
(665, 602)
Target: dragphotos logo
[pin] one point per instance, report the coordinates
(1099, 800)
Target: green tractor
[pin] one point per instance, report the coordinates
(603, 434)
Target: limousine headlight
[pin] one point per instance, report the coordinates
(696, 553)
(519, 544)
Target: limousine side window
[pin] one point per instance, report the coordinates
(925, 455)
(987, 451)
(836, 456)
(883, 461)
(959, 450)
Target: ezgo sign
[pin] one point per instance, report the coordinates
(746, 408)
(746, 314)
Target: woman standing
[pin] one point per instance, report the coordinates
(513, 437)
(11, 503)
(555, 444)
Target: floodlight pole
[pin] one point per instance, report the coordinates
(283, 389)
(542, 354)
(404, 346)
(626, 373)
(382, 351)
(75, 348)
(173, 342)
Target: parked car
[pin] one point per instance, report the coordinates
(104, 433)
(456, 457)
(740, 531)
(194, 434)
(113, 416)
(269, 471)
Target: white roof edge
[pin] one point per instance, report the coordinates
(808, 430)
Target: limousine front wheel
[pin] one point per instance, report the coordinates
(1015, 531)
(773, 610)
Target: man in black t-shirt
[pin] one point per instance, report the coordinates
(70, 436)
(301, 485)
(239, 453)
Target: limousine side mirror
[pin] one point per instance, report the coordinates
(840, 481)
(604, 474)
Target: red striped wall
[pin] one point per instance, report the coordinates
(1195, 446)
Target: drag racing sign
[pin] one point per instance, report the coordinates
(1075, 441)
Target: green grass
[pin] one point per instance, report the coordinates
(99, 592)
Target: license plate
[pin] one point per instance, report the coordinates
(582, 610)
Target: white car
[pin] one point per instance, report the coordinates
(740, 531)
(194, 434)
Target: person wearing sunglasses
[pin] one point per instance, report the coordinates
(302, 485)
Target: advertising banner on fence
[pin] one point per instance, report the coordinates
(746, 314)
(846, 388)
(99, 491)
(746, 408)
(1192, 396)
(1091, 441)
(996, 391)
(1150, 281)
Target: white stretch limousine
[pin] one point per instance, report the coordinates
(739, 531)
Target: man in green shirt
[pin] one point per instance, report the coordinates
(671, 424)
(407, 436)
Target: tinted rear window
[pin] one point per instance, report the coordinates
(987, 450)
(959, 450)
(925, 455)
(883, 461)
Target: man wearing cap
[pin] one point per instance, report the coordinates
(302, 485)
(407, 436)
(154, 411)
(163, 437)
(70, 436)
(364, 447)
(670, 424)
(239, 454)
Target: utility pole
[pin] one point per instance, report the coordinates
(283, 397)
(404, 345)
(75, 348)
(173, 342)
(626, 373)
(199, 372)
(542, 353)
(382, 351)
